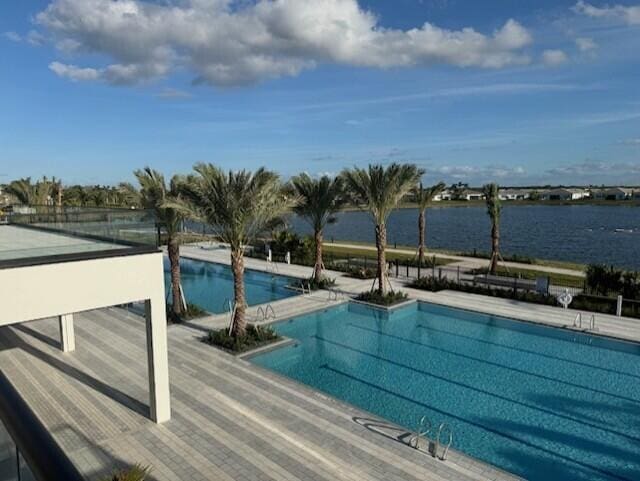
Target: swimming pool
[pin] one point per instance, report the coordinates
(209, 285)
(542, 403)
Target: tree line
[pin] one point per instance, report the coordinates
(240, 206)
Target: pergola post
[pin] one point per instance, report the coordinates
(157, 359)
(67, 334)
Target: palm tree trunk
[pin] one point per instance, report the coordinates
(495, 246)
(381, 244)
(319, 265)
(173, 248)
(239, 319)
(421, 218)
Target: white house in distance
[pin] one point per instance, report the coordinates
(616, 193)
(444, 195)
(514, 194)
(565, 194)
(469, 194)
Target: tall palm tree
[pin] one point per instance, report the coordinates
(494, 209)
(239, 206)
(28, 193)
(319, 200)
(379, 190)
(156, 195)
(424, 197)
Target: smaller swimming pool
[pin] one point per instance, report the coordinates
(209, 285)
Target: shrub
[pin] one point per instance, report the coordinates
(322, 283)
(192, 312)
(603, 279)
(255, 336)
(361, 272)
(134, 473)
(388, 299)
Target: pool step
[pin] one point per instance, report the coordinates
(435, 445)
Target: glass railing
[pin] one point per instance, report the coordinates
(13, 467)
(44, 231)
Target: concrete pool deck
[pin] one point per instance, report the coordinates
(231, 420)
(618, 327)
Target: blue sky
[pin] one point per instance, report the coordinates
(540, 92)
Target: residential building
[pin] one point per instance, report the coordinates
(615, 193)
(444, 195)
(514, 194)
(470, 194)
(565, 194)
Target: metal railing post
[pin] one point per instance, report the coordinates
(619, 307)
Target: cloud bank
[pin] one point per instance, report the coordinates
(627, 14)
(232, 42)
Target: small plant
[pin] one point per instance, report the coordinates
(255, 336)
(361, 273)
(134, 473)
(322, 283)
(387, 299)
(191, 312)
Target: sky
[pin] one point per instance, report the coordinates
(522, 93)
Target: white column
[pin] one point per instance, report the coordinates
(67, 334)
(158, 360)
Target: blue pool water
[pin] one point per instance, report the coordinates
(543, 403)
(209, 285)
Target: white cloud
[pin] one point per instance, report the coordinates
(595, 168)
(474, 172)
(554, 58)
(13, 36)
(586, 44)
(233, 42)
(627, 14)
(73, 72)
(35, 38)
(634, 142)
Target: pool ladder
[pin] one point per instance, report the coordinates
(335, 294)
(230, 306)
(306, 288)
(435, 445)
(265, 313)
(577, 322)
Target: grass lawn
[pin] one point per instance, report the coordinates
(368, 252)
(328, 246)
(557, 279)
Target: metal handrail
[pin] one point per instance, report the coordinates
(443, 427)
(423, 429)
(266, 312)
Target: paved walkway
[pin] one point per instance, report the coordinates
(231, 420)
(468, 263)
(618, 327)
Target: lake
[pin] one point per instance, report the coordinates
(581, 233)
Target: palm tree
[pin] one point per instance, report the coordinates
(239, 206)
(379, 190)
(156, 195)
(319, 200)
(424, 197)
(28, 193)
(493, 210)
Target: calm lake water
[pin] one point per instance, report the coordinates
(582, 233)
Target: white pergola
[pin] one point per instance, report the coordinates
(61, 286)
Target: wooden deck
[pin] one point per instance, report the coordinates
(231, 420)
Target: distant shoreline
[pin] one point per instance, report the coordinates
(518, 203)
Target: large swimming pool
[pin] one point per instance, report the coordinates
(209, 285)
(543, 403)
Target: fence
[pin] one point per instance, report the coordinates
(542, 290)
